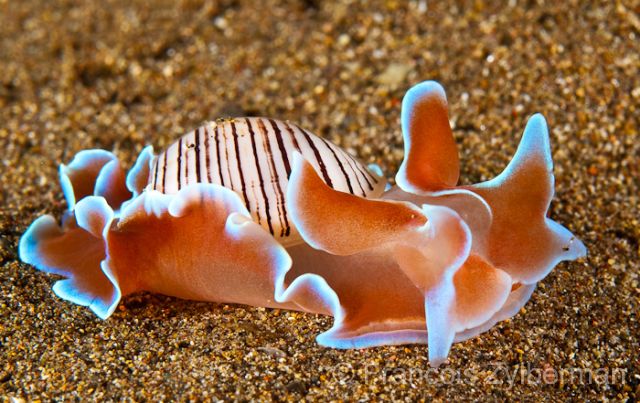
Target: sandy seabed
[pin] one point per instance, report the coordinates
(122, 74)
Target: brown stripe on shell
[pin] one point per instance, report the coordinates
(207, 161)
(357, 175)
(293, 138)
(155, 176)
(283, 150)
(344, 173)
(316, 152)
(243, 185)
(280, 204)
(260, 178)
(364, 173)
(219, 160)
(164, 172)
(197, 152)
(186, 163)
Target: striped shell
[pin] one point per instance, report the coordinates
(253, 157)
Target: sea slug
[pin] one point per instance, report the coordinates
(261, 212)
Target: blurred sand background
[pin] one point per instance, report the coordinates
(122, 74)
